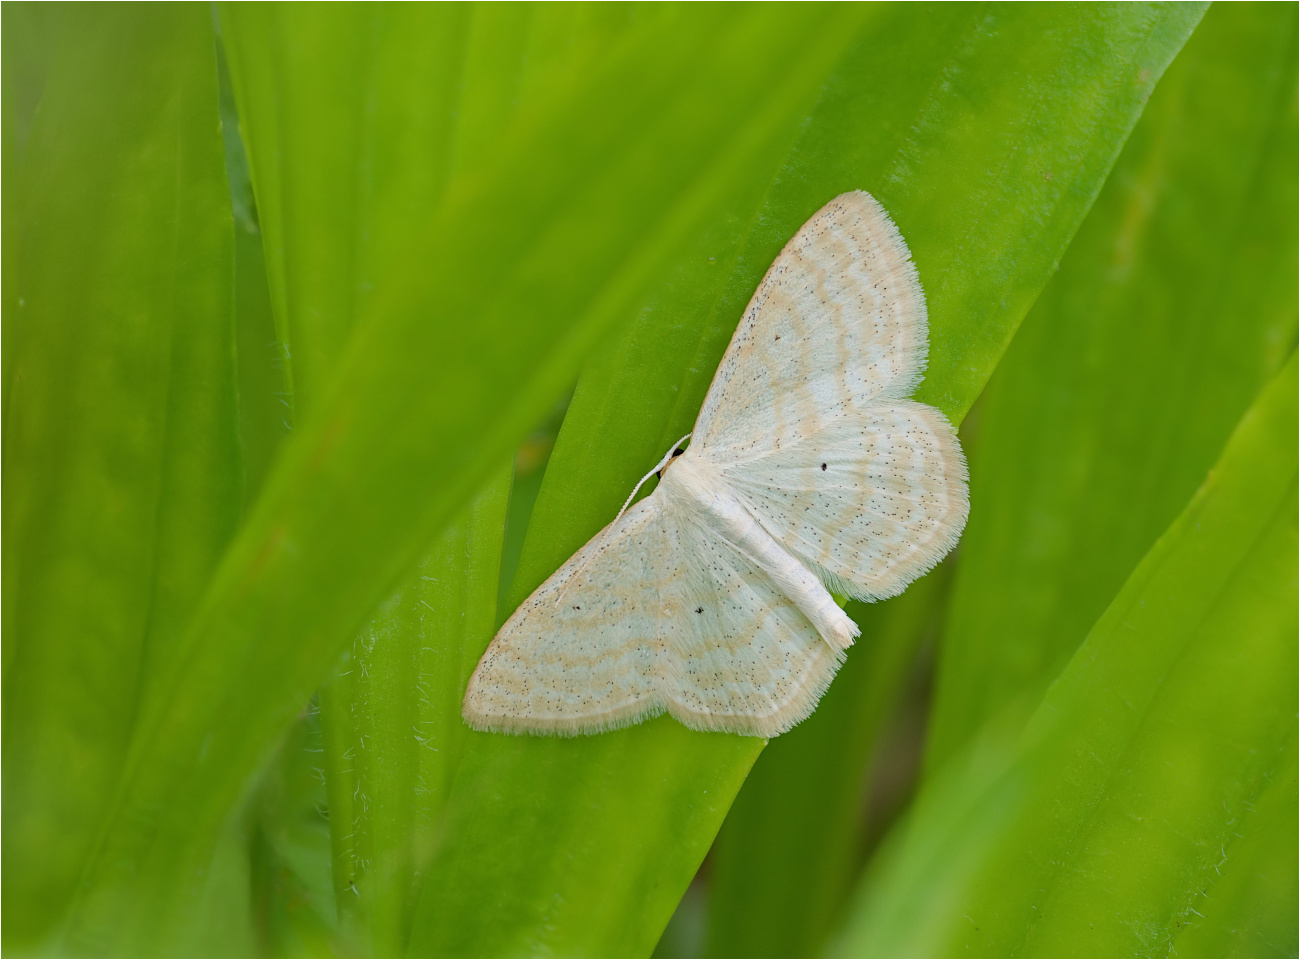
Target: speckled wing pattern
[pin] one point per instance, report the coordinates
(837, 322)
(806, 415)
(869, 502)
(656, 615)
(807, 430)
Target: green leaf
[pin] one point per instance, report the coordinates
(1250, 910)
(359, 118)
(289, 895)
(122, 468)
(396, 729)
(1107, 825)
(583, 847)
(1175, 304)
(445, 83)
(530, 467)
(264, 381)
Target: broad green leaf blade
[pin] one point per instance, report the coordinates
(1175, 304)
(318, 93)
(122, 470)
(473, 336)
(358, 117)
(290, 891)
(1250, 910)
(891, 121)
(1107, 826)
(530, 467)
(264, 383)
(399, 696)
(26, 71)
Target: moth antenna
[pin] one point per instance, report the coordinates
(622, 510)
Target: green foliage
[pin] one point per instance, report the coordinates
(1107, 822)
(122, 460)
(1174, 307)
(287, 287)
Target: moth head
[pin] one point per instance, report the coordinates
(676, 453)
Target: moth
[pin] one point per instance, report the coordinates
(808, 471)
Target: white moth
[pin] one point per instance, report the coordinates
(808, 469)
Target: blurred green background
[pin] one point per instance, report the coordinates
(331, 331)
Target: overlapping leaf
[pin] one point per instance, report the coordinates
(1192, 229)
(1106, 826)
(122, 470)
(1175, 305)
